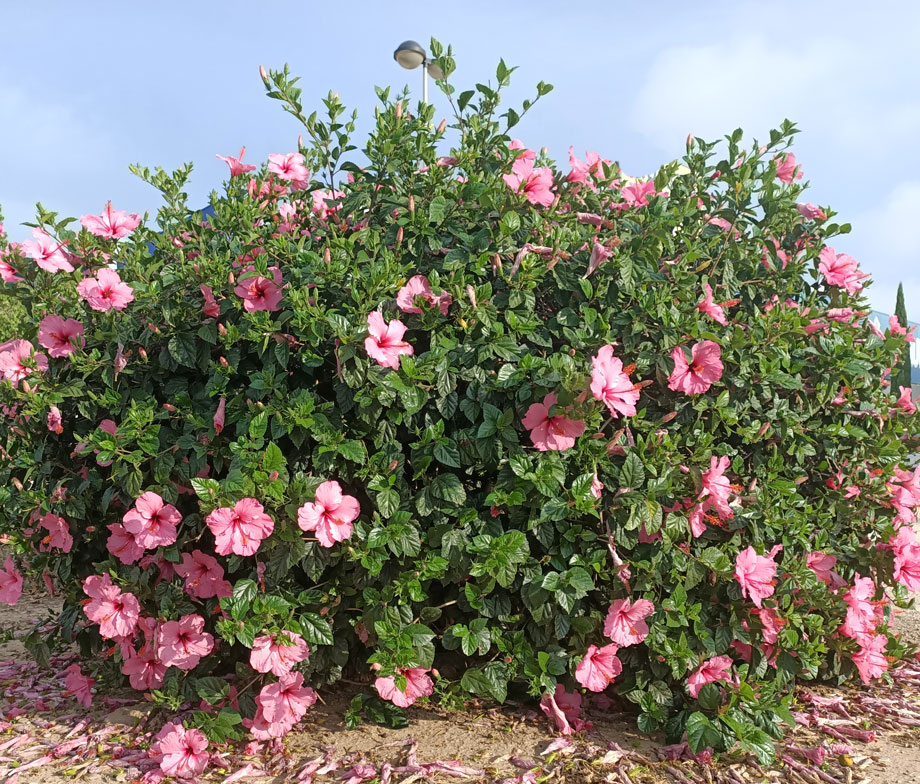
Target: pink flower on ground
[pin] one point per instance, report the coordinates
(10, 583)
(60, 336)
(564, 709)
(106, 291)
(211, 307)
(905, 403)
(713, 670)
(811, 212)
(112, 224)
(787, 169)
(58, 533)
(278, 653)
(599, 667)
(703, 370)
(841, 270)
(152, 522)
(260, 293)
(55, 423)
(203, 575)
(79, 685)
(551, 433)
(240, 530)
(870, 659)
(418, 684)
(183, 752)
(114, 611)
(17, 359)
(384, 342)
(182, 643)
(611, 385)
(289, 167)
(237, 167)
(535, 184)
(123, 545)
(47, 252)
(330, 515)
(755, 574)
(418, 288)
(710, 308)
(625, 622)
(220, 416)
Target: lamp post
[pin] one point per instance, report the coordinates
(411, 55)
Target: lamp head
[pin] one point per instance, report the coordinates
(410, 54)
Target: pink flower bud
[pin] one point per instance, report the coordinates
(262, 73)
(442, 126)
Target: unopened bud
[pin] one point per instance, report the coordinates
(143, 353)
(17, 484)
(399, 236)
(392, 466)
(442, 126)
(669, 416)
(764, 428)
(435, 673)
(90, 529)
(299, 141)
(689, 139)
(221, 329)
(262, 73)
(496, 264)
(224, 363)
(26, 388)
(230, 279)
(411, 204)
(398, 109)
(272, 476)
(471, 294)
(169, 407)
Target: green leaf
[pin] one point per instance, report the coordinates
(352, 450)
(447, 454)
(701, 733)
(273, 460)
(182, 349)
(387, 502)
(316, 629)
(448, 488)
(632, 474)
(437, 209)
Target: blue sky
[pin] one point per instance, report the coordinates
(88, 88)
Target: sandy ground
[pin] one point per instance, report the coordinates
(501, 742)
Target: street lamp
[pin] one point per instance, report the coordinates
(411, 55)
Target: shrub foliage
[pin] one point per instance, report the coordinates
(733, 465)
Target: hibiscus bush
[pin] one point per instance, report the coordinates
(437, 411)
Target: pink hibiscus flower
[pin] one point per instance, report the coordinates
(564, 709)
(18, 359)
(625, 622)
(79, 685)
(904, 402)
(211, 308)
(260, 293)
(58, 533)
(287, 700)
(278, 653)
(710, 308)
(330, 515)
(636, 194)
(237, 167)
(418, 684)
(599, 667)
(870, 659)
(114, 611)
(183, 753)
(863, 613)
(703, 370)
(418, 288)
(906, 550)
(60, 336)
(599, 254)
(384, 342)
(112, 224)
(841, 270)
(106, 291)
(755, 574)
(811, 212)
(123, 545)
(822, 564)
(535, 184)
(787, 169)
(715, 493)
(54, 421)
(203, 575)
(551, 433)
(713, 670)
(144, 670)
(597, 487)
(240, 530)
(182, 643)
(47, 252)
(10, 583)
(290, 167)
(611, 385)
(152, 522)
(585, 172)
